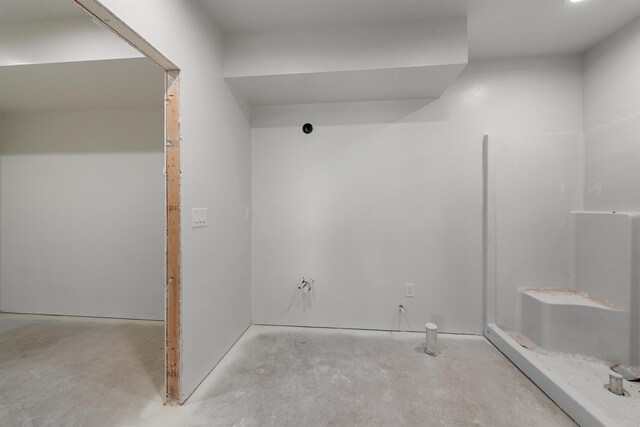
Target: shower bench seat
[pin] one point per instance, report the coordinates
(571, 321)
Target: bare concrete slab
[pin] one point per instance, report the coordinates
(60, 371)
(66, 371)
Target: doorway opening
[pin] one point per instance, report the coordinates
(172, 189)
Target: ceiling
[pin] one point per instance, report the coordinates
(37, 10)
(91, 85)
(257, 15)
(497, 28)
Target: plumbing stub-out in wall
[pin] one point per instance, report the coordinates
(305, 285)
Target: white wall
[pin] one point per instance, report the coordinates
(537, 183)
(82, 219)
(612, 122)
(611, 81)
(60, 40)
(365, 205)
(215, 175)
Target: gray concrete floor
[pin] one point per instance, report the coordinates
(71, 371)
(90, 372)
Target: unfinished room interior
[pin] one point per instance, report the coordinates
(319, 212)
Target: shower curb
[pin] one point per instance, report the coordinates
(566, 397)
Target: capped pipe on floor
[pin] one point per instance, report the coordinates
(432, 339)
(616, 383)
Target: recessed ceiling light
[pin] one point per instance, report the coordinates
(574, 1)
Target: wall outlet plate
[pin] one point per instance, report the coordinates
(198, 217)
(408, 290)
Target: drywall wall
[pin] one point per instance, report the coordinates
(537, 184)
(387, 193)
(612, 122)
(82, 85)
(216, 172)
(60, 40)
(82, 219)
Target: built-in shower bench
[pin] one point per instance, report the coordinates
(571, 321)
(600, 317)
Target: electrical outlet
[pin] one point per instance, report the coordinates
(408, 290)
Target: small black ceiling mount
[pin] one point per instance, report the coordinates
(307, 128)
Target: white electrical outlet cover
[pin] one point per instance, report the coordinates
(408, 289)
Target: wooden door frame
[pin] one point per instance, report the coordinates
(172, 190)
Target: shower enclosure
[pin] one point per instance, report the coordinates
(562, 270)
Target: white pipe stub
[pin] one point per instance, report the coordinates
(432, 339)
(616, 383)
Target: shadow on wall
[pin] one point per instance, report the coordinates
(92, 132)
(348, 113)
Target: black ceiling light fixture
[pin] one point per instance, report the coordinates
(307, 128)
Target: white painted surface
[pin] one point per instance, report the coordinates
(612, 119)
(348, 86)
(605, 261)
(60, 40)
(564, 297)
(497, 28)
(88, 85)
(83, 213)
(611, 82)
(258, 15)
(576, 328)
(612, 163)
(332, 49)
(538, 182)
(37, 10)
(505, 95)
(585, 377)
(215, 175)
(566, 394)
(365, 207)
(338, 64)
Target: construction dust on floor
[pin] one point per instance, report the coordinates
(79, 372)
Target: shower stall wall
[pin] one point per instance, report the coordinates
(562, 283)
(532, 184)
